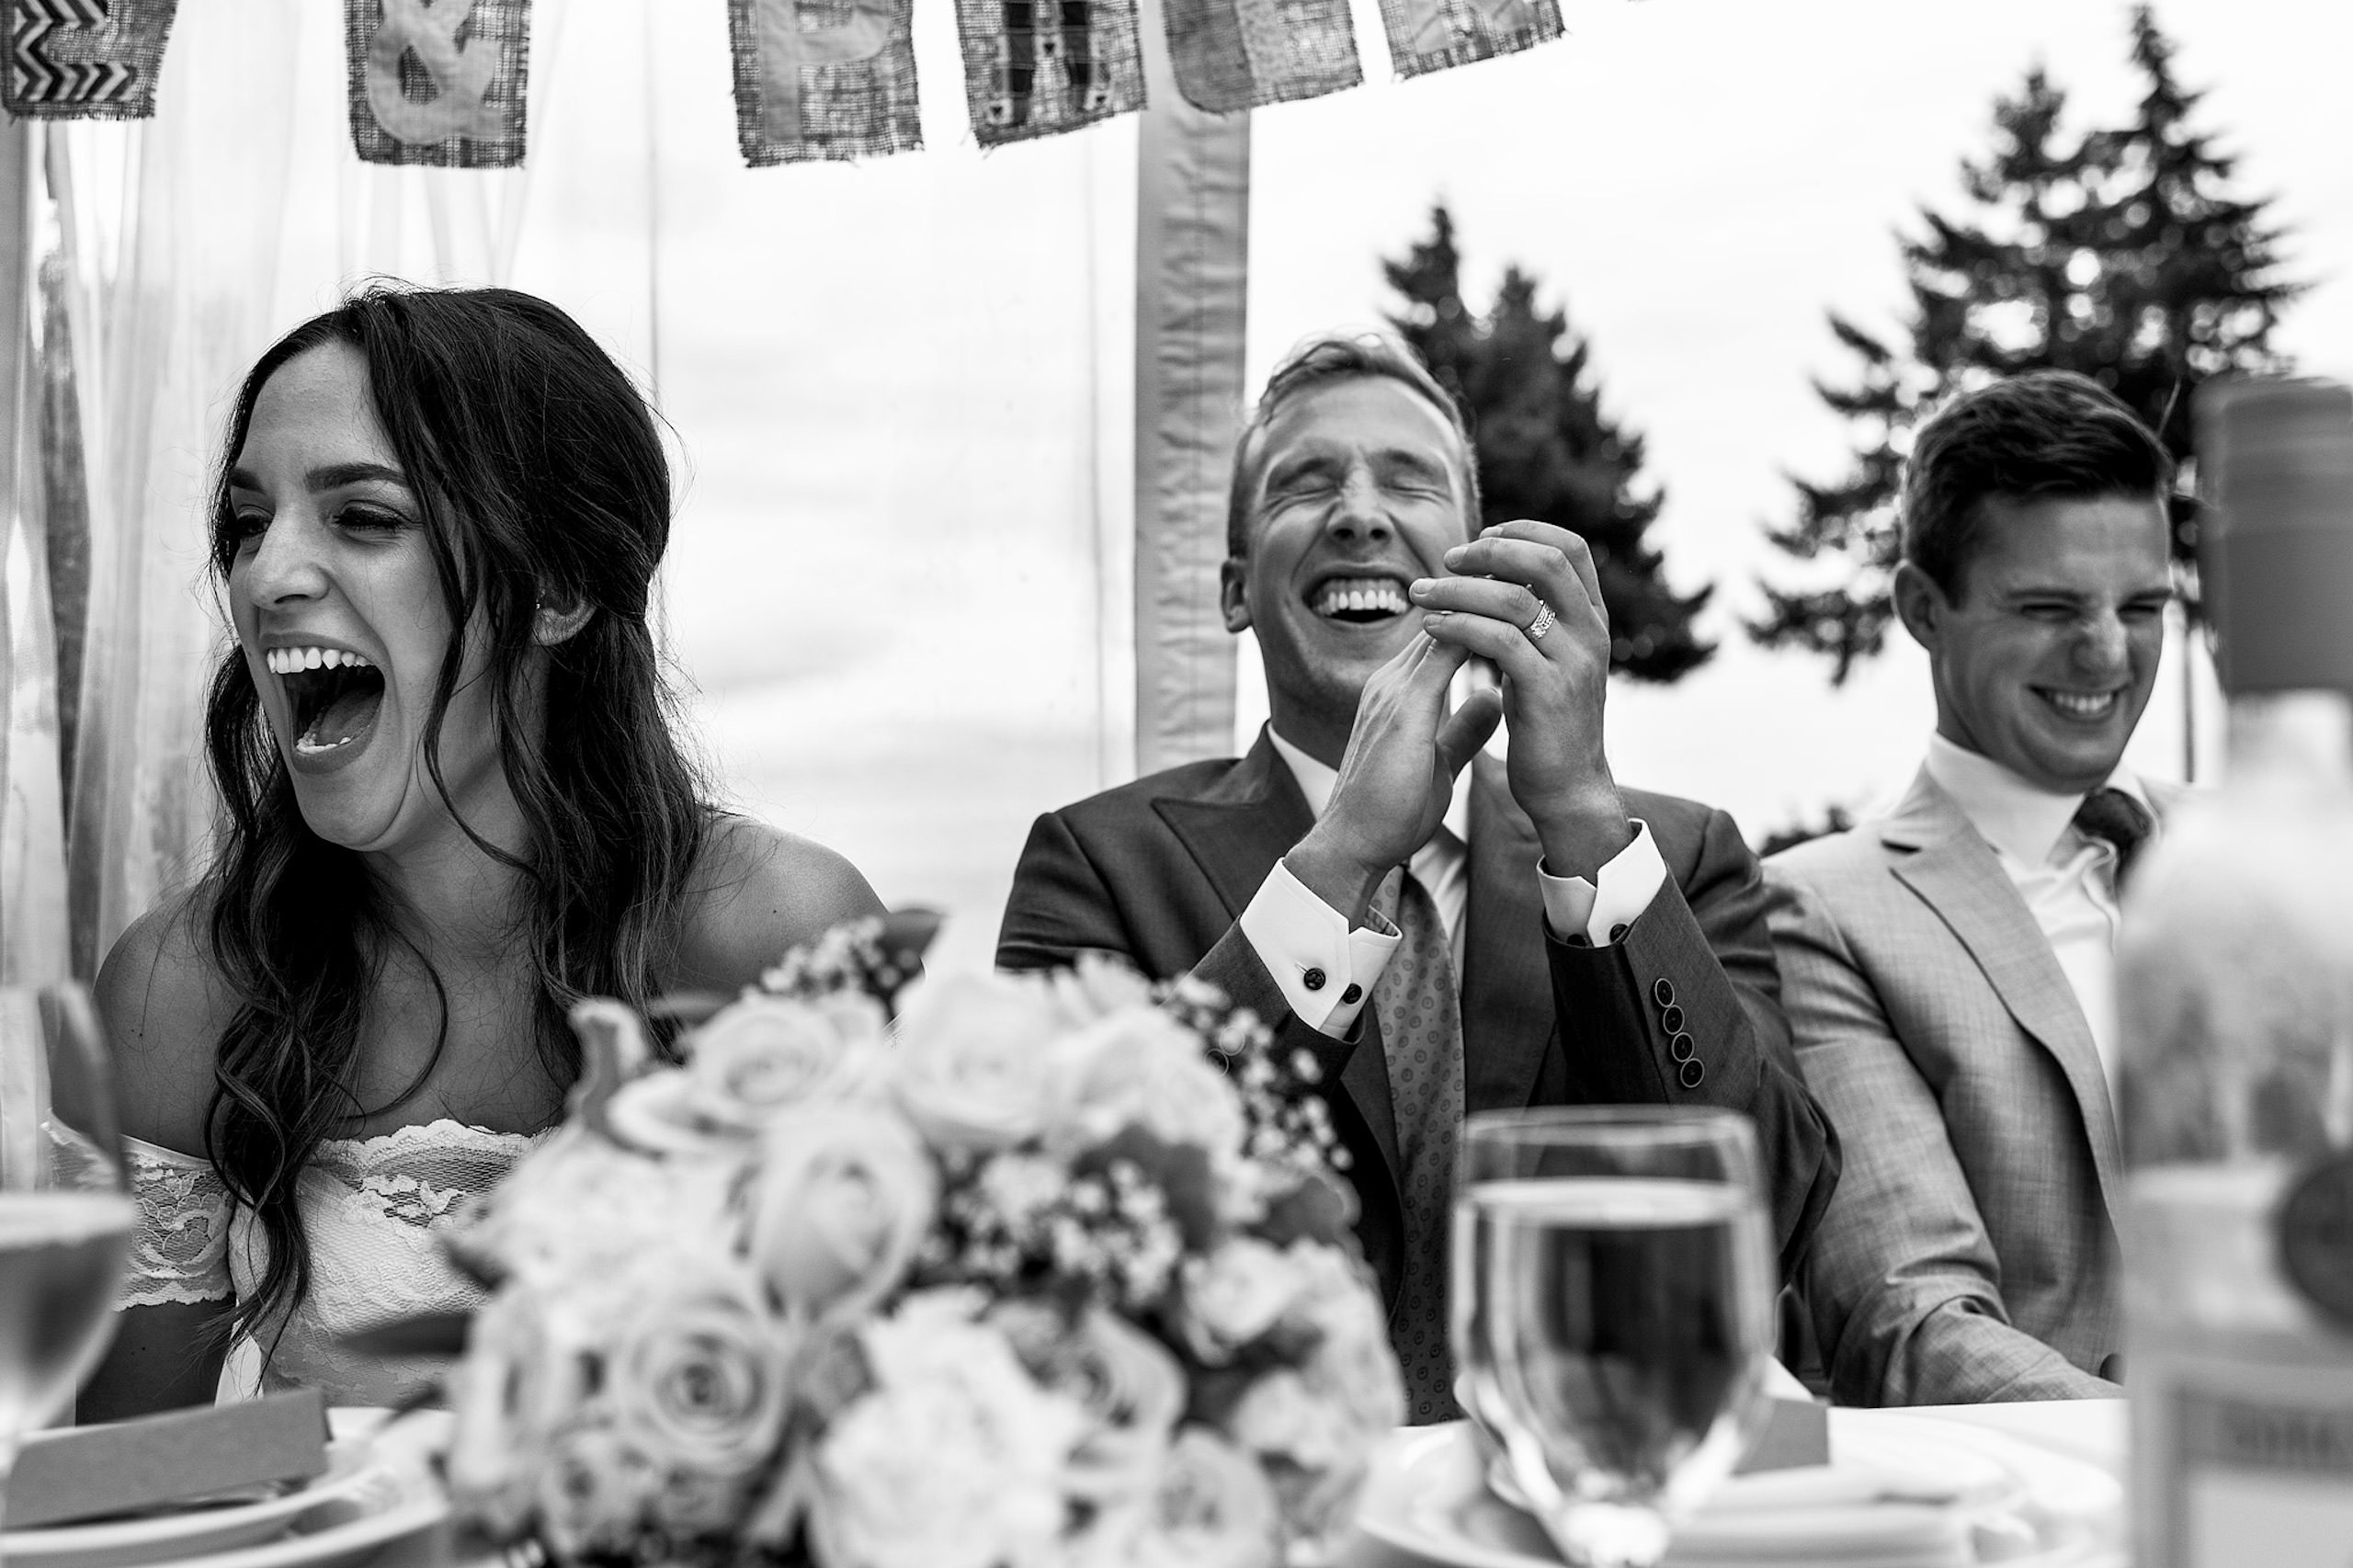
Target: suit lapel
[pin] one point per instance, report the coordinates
(1506, 987)
(1236, 831)
(1958, 875)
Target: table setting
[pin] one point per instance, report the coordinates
(990, 1270)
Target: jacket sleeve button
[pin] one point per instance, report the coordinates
(1313, 980)
(1693, 1072)
(1663, 992)
(1681, 1046)
(1670, 1018)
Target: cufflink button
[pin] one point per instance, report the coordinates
(1663, 992)
(1349, 997)
(1670, 1018)
(1617, 932)
(1313, 980)
(1681, 1046)
(1693, 1072)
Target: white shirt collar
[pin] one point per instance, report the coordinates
(2021, 821)
(1315, 782)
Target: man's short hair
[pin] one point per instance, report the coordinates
(2042, 434)
(1316, 361)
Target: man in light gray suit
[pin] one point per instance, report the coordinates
(1947, 968)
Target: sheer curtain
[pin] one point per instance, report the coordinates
(901, 394)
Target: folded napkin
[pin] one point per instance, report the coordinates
(86, 1472)
(1901, 1493)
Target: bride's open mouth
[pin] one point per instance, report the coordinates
(335, 695)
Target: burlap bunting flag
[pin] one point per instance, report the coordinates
(439, 83)
(1431, 35)
(1035, 67)
(1231, 55)
(84, 58)
(822, 79)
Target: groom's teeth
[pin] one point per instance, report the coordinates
(1360, 594)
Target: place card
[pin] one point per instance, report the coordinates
(1796, 1434)
(83, 1472)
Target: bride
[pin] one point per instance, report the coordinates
(453, 806)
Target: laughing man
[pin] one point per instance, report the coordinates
(1947, 968)
(1444, 939)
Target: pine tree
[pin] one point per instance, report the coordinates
(2122, 253)
(1545, 449)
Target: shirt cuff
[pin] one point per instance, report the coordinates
(1325, 970)
(1575, 907)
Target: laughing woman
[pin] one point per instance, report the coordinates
(454, 806)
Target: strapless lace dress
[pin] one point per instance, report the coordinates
(375, 1210)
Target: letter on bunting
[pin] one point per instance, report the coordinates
(439, 82)
(1034, 67)
(84, 58)
(1231, 55)
(822, 79)
(1431, 35)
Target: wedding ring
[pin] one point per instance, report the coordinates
(1541, 624)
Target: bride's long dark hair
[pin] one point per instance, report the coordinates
(541, 477)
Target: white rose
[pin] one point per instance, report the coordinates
(658, 1114)
(521, 1379)
(1095, 987)
(1213, 1508)
(531, 1228)
(594, 1490)
(841, 1201)
(1141, 1068)
(1281, 1417)
(1233, 1296)
(698, 1373)
(954, 1459)
(974, 1067)
(1130, 1386)
(1352, 1361)
(764, 1053)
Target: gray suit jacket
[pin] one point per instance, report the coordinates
(1968, 1252)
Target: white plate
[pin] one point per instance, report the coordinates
(403, 1500)
(153, 1538)
(2009, 1503)
(374, 1490)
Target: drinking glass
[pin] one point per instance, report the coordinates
(1612, 1314)
(65, 1219)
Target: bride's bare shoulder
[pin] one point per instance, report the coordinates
(758, 890)
(163, 1005)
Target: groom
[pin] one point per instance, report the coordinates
(1442, 939)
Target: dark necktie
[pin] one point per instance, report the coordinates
(1421, 1036)
(2117, 819)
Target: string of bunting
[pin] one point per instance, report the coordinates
(443, 82)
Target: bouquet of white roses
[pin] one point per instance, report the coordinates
(1052, 1271)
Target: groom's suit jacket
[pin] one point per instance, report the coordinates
(1158, 871)
(1969, 1253)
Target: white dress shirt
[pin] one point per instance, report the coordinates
(1295, 933)
(2066, 877)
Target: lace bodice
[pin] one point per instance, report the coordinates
(374, 1211)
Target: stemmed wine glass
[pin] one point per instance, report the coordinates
(65, 1219)
(1612, 1314)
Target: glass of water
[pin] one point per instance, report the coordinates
(65, 1220)
(1612, 1314)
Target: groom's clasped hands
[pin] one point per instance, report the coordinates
(1525, 597)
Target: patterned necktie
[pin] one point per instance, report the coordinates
(1421, 1034)
(2115, 819)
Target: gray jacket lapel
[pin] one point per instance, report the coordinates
(1958, 876)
